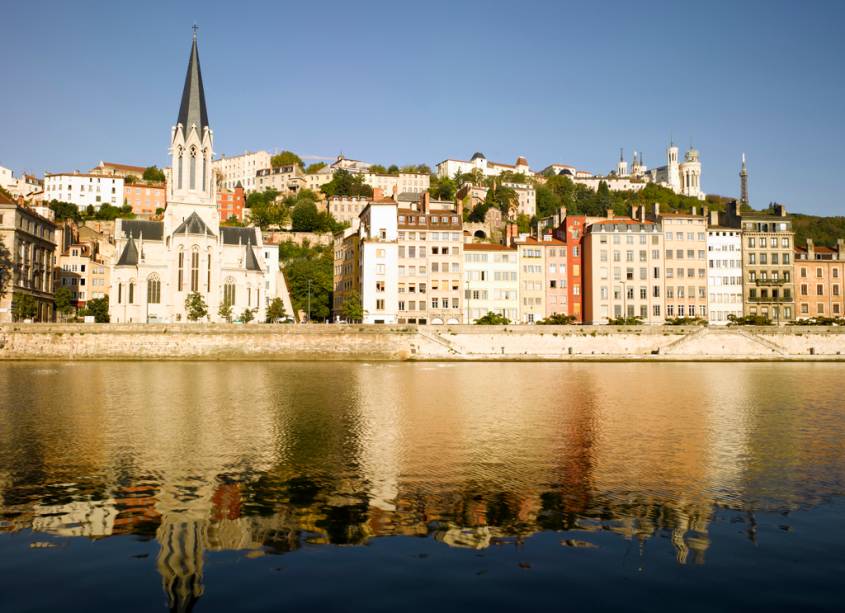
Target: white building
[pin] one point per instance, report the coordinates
(241, 168)
(724, 271)
(404, 182)
(84, 190)
(379, 267)
(25, 185)
(681, 177)
(491, 281)
(448, 168)
(161, 263)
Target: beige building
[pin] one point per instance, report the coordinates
(767, 261)
(83, 263)
(346, 209)
(240, 168)
(557, 290)
(110, 169)
(819, 272)
(532, 279)
(284, 179)
(401, 183)
(30, 241)
(623, 270)
(685, 264)
(491, 281)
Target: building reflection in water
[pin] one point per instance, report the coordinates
(268, 458)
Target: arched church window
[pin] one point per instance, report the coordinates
(204, 169)
(120, 293)
(195, 269)
(131, 292)
(193, 176)
(179, 169)
(153, 289)
(181, 270)
(208, 273)
(229, 291)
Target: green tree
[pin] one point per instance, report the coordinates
(344, 183)
(316, 267)
(749, 320)
(305, 217)
(247, 316)
(315, 167)
(352, 309)
(548, 202)
(286, 158)
(65, 210)
(154, 174)
(225, 311)
(5, 267)
(378, 169)
(64, 301)
(98, 308)
(625, 321)
(442, 188)
(492, 319)
(558, 319)
(195, 306)
(24, 306)
(129, 179)
(276, 310)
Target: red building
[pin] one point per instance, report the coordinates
(571, 231)
(230, 203)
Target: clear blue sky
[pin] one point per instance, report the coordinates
(419, 82)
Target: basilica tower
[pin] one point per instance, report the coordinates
(192, 185)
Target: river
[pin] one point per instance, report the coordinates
(352, 486)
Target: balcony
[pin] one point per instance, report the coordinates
(778, 299)
(770, 282)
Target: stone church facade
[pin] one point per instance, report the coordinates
(161, 263)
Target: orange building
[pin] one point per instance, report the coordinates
(818, 276)
(230, 203)
(145, 198)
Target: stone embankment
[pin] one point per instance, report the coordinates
(409, 343)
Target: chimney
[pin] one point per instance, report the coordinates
(609, 213)
(714, 218)
(811, 249)
(642, 213)
(780, 210)
(840, 248)
(425, 202)
(656, 210)
(378, 193)
(695, 210)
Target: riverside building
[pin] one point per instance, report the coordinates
(161, 263)
(84, 190)
(685, 263)
(819, 271)
(491, 281)
(724, 272)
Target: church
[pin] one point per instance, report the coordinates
(160, 263)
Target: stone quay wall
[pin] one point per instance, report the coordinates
(417, 343)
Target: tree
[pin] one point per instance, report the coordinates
(548, 202)
(492, 319)
(442, 188)
(352, 309)
(558, 319)
(24, 306)
(129, 179)
(65, 210)
(749, 320)
(247, 316)
(344, 183)
(316, 167)
(276, 311)
(305, 217)
(285, 158)
(153, 174)
(6, 265)
(98, 308)
(195, 306)
(225, 311)
(625, 321)
(64, 301)
(318, 269)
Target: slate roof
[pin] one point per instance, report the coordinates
(192, 110)
(136, 228)
(238, 236)
(193, 225)
(129, 257)
(251, 262)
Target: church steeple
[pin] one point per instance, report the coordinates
(192, 111)
(743, 183)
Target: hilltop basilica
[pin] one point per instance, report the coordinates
(161, 262)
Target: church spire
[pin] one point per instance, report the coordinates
(192, 111)
(743, 183)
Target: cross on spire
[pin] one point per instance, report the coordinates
(195, 27)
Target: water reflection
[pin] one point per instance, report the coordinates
(270, 458)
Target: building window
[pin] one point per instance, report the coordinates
(131, 292)
(195, 270)
(180, 271)
(229, 291)
(208, 274)
(153, 289)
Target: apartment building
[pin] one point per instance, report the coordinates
(819, 271)
(526, 198)
(532, 279)
(240, 168)
(378, 249)
(346, 209)
(557, 281)
(768, 255)
(145, 198)
(84, 190)
(478, 161)
(347, 274)
(491, 280)
(31, 242)
(285, 179)
(430, 271)
(110, 169)
(231, 203)
(685, 263)
(403, 182)
(84, 271)
(623, 270)
(724, 272)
